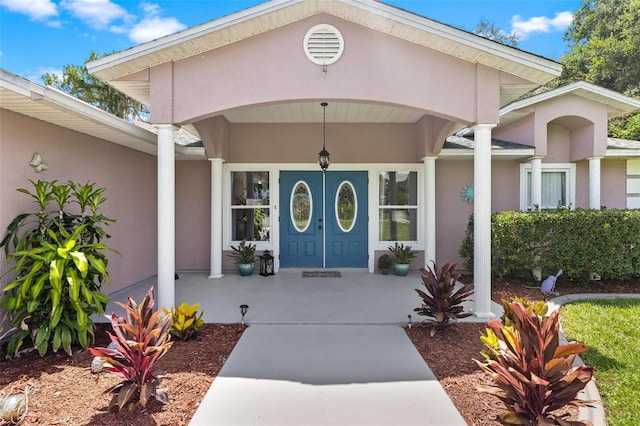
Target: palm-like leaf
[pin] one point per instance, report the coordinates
(532, 373)
(141, 338)
(442, 301)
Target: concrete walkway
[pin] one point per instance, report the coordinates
(325, 375)
(318, 351)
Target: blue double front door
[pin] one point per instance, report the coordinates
(323, 219)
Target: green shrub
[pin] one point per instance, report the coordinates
(59, 267)
(604, 242)
(141, 338)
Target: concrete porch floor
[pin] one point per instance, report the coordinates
(356, 298)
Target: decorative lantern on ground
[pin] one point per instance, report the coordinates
(266, 264)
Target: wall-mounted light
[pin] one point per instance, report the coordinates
(37, 164)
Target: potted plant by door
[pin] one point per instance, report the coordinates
(402, 256)
(385, 263)
(245, 256)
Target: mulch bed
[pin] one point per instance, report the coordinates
(450, 353)
(64, 392)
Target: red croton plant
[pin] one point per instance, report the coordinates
(443, 299)
(140, 339)
(533, 373)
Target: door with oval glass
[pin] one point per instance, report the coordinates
(323, 219)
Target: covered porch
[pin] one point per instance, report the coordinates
(356, 298)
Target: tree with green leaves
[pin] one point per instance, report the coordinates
(605, 50)
(77, 82)
(488, 30)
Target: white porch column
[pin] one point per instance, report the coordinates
(594, 182)
(216, 217)
(166, 217)
(430, 210)
(536, 183)
(482, 220)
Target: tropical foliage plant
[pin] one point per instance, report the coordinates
(59, 266)
(186, 321)
(538, 307)
(442, 301)
(532, 373)
(385, 263)
(402, 254)
(243, 253)
(141, 338)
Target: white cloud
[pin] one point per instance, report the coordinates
(97, 14)
(34, 9)
(150, 9)
(153, 28)
(543, 24)
(54, 24)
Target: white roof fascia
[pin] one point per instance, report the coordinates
(20, 85)
(526, 59)
(61, 100)
(460, 36)
(55, 99)
(464, 153)
(617, 153)
(569, 88)
(185, 35)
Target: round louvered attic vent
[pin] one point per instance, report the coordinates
(323, 44)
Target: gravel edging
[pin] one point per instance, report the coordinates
(595, 413)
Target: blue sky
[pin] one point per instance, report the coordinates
(39, 36)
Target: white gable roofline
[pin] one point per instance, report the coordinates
(53, 106)
(618, 103)
(372, 14)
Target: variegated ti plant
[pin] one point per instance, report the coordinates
(442, 301)
(533, 374)
(141, 338)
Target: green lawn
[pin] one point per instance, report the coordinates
(611, 331)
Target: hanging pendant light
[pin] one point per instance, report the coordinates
(323, 156)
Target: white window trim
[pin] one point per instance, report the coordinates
(568, 168)
(226, 214)
(274, 170)
(374, 213)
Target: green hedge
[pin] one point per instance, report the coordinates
(604, 242)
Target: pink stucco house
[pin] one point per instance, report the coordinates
(417, 111)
